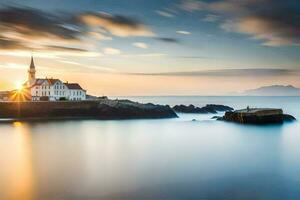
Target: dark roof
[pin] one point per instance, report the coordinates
(52, 81)
(73, 86)
(40, 81)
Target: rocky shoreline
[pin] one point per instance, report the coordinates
(100, 109)
(106, 109)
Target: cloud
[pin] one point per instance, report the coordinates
(6, 43)
(111, 51)
(116, 24)
(99, 36)
(168, 40)
(193, 5)
(164, 13)
(211, 18)
(28, 29)
(183, 32)
(148, 55)
(61, 48)
(29, 23)
(140, 45)
(77, 67)
(258, 72)
(275, 23)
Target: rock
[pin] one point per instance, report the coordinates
(257, 116)
(210, 108)
(126, 109)
(288, 118)
(188, 109)
(217, 117)
(219, 108)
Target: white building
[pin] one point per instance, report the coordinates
(50, 89)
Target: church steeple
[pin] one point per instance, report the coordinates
(32, 63)
(31, 73)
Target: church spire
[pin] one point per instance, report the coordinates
(32, 63)
(31, 73)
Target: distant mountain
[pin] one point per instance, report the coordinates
(273, 90)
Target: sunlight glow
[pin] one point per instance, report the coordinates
(19, 85)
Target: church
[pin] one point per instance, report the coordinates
(49, 89)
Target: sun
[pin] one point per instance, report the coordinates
(19, 85)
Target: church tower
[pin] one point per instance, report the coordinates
(31, 73)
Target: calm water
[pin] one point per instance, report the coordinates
(154, 159)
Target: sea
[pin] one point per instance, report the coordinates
(190, 157)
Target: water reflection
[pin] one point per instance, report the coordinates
(20, 181)
(148, 159)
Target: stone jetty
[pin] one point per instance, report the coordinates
(257, 116)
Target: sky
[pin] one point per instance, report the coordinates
(157, 47)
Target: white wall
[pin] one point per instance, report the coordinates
(76, 95)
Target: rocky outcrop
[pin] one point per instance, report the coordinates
(219, 108)
(209, 108)
(288, 118)
(101, 109)
(257, 116)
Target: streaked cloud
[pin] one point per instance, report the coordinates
(167, 39)
(83, 68)
(99, 36)
(164, 13)
(6, 43)
(147, 55)
(140, 45)
(193, 5)
(262, 72)
(111, 51)
(275, 23)
(29, 29)
(183, 32)
(211, 18)
(116, 24)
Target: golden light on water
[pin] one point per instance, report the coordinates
(21, 179)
